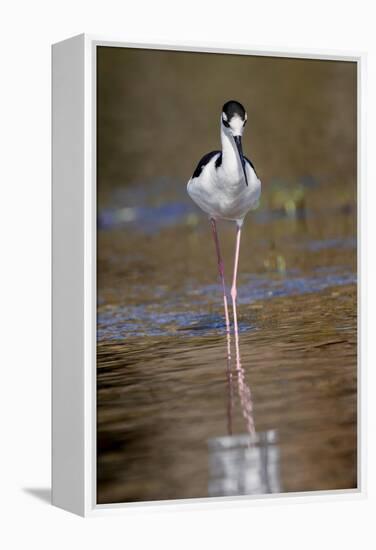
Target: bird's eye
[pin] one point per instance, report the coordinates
(225, 123)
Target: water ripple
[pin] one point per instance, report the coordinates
(172, 317)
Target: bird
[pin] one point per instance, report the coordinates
(225, 186)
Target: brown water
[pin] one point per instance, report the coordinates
(162, 384)
(163, 391)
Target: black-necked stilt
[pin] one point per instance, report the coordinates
(225, 186)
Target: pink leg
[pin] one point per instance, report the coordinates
(234, 291)
(221, 273)
(222, 277)
(244, 391)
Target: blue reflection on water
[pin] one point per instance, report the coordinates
(119, 323)
(153, 218)
(324, 244)
(149, 219)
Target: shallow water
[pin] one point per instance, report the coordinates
(163, 390)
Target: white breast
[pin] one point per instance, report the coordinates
(222, 192)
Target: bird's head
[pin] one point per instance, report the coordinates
(233, 120)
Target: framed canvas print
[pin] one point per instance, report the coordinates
(206, 230)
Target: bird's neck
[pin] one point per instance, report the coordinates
(230, 156)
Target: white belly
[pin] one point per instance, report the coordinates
(225, 196)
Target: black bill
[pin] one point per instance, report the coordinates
(238, 142)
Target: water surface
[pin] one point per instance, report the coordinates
(162, 379)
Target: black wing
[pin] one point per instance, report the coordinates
(251, 164)
(203, 162)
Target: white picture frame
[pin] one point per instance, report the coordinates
(74, 277)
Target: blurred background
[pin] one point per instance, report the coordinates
(161, 355)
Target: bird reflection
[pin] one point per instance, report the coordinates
(242, 464)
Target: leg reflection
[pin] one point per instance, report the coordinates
(230, 392)
(244, 391)
(242, 464)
